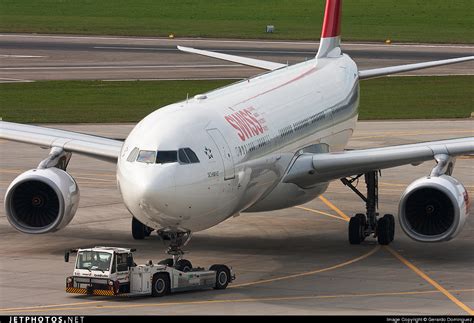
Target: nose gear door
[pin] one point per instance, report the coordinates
(224, 152)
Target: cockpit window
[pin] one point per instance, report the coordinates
(133, 155)
(146, 156)
(191, 155)
(182, 157)
(166, 156)
(187, 156)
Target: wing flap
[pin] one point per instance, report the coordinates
(378, 72)
(309, 169)
(266, 65)
(93, 146)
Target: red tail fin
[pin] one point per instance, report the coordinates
(331, 33)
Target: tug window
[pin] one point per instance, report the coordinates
(166, 156)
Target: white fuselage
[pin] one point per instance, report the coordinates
(245, 136)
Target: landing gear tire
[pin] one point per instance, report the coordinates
(385, 229)
(356, 229)
(139, 230)
(223, 277)
(183, 265)
(363, 223)
(167, 262)
(392, 226)
(160, 284)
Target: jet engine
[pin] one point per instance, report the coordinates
(41, 200)
(433, 209)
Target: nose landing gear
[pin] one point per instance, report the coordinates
(363, 225)
(175, 241)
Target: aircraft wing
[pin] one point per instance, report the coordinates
(93, 146)
(266, 65)
(309, 169)
(378, 72)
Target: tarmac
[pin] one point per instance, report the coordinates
(292, 261)
(27, 57)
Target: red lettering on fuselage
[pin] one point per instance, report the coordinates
(234, 124)
(246, 124)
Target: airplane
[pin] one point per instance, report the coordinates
(269, 142)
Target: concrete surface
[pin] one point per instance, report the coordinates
(54, 57)
(294, 261)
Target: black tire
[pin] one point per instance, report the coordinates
(160, 285)
(355, 230)
(363, 223)
(223, 277)
(168, 262)
(383, 231)
(138, 229)
(391, 219)
(183, 265)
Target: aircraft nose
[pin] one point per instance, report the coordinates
(150, 193)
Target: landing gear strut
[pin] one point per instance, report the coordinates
(175, 241)
(363, 225)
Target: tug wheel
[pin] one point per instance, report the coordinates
(222, 276)
(160, 284)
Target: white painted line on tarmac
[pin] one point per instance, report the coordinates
(116, 67)
(136, 48)
(177, 40)
(10, 80)
(176, 79)
(218, 50)
(22, 56)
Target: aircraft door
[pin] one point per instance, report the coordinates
(224, 151)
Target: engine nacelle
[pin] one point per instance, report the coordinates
(433, 209)
(41, 200)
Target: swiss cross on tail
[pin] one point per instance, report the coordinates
(330, 45)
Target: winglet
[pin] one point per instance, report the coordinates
(330, 45)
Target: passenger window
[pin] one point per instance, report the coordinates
(182, 157)
(133, 155)
(146, 156)
(166, 156)
(191, 155)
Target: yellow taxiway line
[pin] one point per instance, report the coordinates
(320, 212)
(432, 282)
(410, 265)
(368, 254)
(238, 300)
(334, 208)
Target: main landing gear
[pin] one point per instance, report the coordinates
(363, 225)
